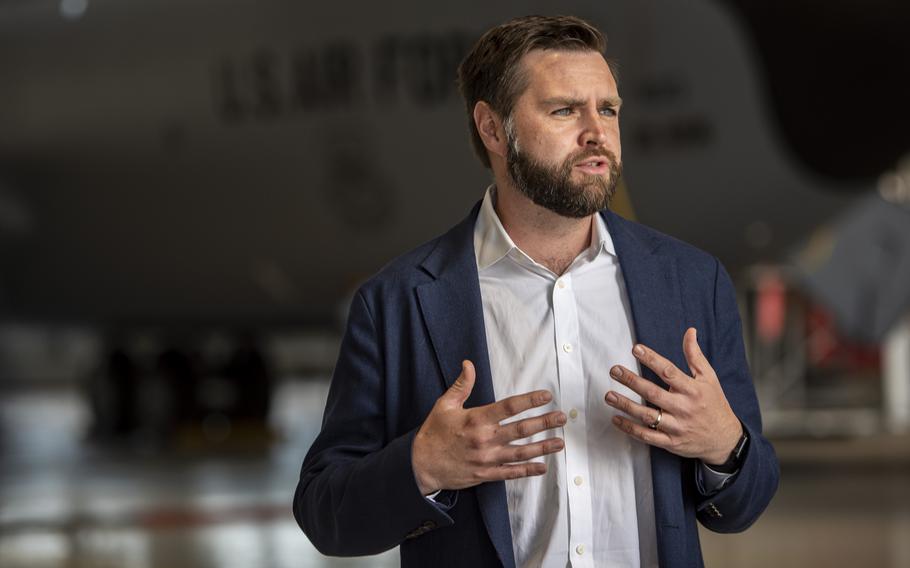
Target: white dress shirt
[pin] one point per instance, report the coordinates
(563, 333)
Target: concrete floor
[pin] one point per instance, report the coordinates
(64, 503)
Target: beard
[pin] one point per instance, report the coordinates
(552, 187)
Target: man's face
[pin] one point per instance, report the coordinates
(564, 151)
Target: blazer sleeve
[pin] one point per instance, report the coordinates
(357, 494)
(741, 502)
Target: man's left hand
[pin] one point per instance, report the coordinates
(696, 420)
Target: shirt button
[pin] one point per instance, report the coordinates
(578, 480)
(561, 284)
(567, 347)
(573, 414)
(580, 549)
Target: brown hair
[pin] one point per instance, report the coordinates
(491, 71)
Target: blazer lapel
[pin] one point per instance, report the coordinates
(652, 285)
(453, 314)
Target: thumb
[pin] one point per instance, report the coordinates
(697, 361)
(463, 385)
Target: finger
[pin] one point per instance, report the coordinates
(663, 367)
(697, 361)
(507, 407)
(523, 452)
(644, 414)
(512, 471)
(530, 426)
(461, 389)
(648, 390)
(642, 433)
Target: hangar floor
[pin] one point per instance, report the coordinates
(66, 503)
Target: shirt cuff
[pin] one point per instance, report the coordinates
(444, 499)
(709, 481)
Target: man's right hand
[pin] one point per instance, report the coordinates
(458, 447)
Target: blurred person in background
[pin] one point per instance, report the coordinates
(529, 389)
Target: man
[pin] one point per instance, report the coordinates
(490, 406)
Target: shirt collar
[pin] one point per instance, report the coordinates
(602, 239)
(492, 243)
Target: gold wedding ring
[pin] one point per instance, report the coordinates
(656, 423)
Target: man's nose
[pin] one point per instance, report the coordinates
(594, 132)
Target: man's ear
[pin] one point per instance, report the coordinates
(490, 126)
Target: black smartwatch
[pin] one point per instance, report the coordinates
(735, 460)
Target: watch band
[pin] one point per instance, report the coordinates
(736, 456)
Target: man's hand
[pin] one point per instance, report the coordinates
(695, 418)
(459, 447)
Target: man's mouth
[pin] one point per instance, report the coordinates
(596, 165)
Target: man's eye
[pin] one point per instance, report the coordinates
(609, 111)
(563, 112)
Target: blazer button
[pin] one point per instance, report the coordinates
(426, 527)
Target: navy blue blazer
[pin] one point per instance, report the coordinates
(409, 328)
